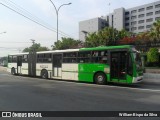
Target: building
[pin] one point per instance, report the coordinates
(137, 19)
(141, 18)
(90, 26)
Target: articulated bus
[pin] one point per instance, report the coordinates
(100, 65)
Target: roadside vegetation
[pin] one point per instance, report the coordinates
(147, 42)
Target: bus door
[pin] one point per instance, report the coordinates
(19, 64)
(32, 64)
(57, 65)
(118, 65)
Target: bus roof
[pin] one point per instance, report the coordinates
(58, 51)
(52, 51)
(106, 47)
(25, 53)
(81, 49)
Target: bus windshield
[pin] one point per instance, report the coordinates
(137, 59)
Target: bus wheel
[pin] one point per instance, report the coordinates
(44, 74)
(13, 71)
(100, 78)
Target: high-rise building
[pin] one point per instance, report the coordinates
(90, 26)
(137, 19)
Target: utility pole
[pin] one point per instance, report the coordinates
(33, 41)
(32, 60)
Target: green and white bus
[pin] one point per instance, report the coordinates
(120, 64)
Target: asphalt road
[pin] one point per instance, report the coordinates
(18, 93)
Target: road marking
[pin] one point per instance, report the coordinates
(105, 86)
(142, 89)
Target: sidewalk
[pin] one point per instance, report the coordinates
(152, 78)
(149, 70)
(3, 68)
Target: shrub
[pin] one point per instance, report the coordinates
(153, 55)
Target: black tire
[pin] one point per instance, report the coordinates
(44, 74)
(13, 71)
(100, 78)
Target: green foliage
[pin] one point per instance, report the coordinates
(37, 47)
(152, 36)
(153, 55)
(110, 36)
(93, 40)
(107, 36)
(3, 61)
(66, 43)
(123, 33)
(156, 30)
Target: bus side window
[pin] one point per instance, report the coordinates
(104, 59)
(84, 57)
(70, 57)
(14, 59)
(25, 58)
(10, 59)
(100, 57)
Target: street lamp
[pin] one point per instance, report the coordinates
(85, 34)
(57, 10)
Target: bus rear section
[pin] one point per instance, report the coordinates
(18, 64)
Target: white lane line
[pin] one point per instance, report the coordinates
(142, 89)
(107, 86)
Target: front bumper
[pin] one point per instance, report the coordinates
(137, 79)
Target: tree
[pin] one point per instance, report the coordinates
(155, 32)
(67, 43)
(143, 38)
(92, 40)
(125, 37)
(111, 36)
(127, 40)
(37, 47)
(107, 36)
(153, 55)
(123, 33)
(3, 61)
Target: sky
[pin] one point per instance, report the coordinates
(20, 30)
